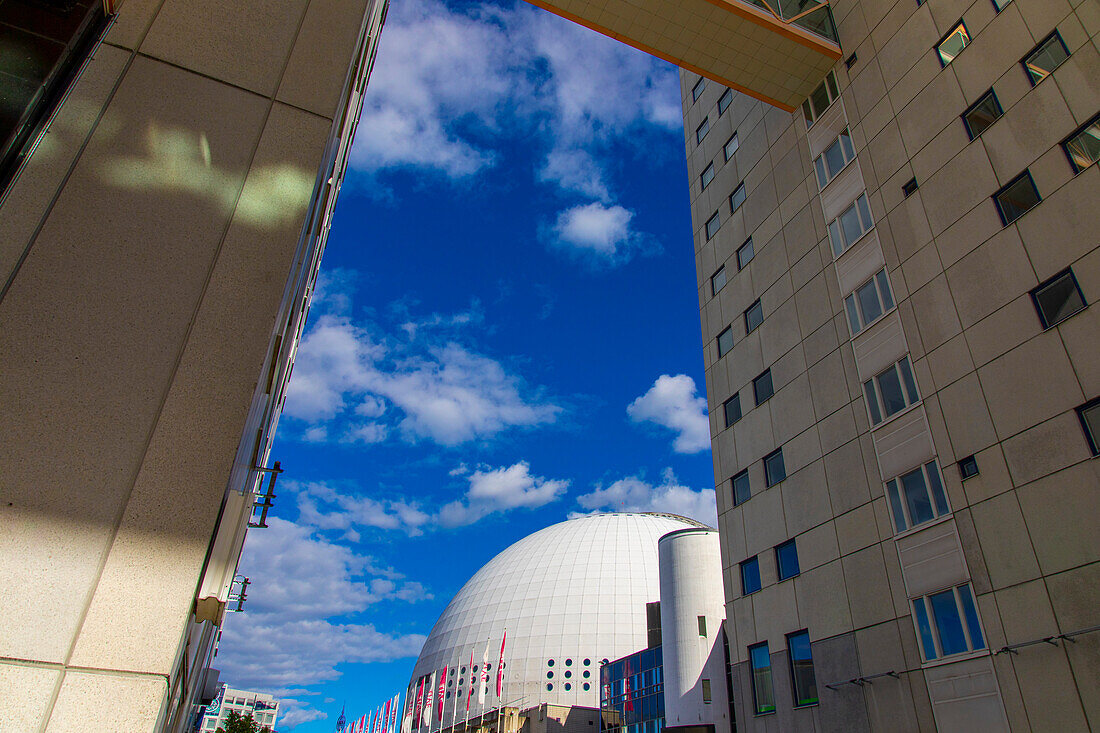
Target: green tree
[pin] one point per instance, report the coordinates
(236, 723)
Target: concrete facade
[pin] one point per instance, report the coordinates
(992, 382)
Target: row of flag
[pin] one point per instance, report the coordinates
(382, 720)
(430, 694)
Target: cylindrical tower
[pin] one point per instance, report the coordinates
(692, 612)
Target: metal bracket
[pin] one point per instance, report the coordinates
(264, 500)
(242, 595)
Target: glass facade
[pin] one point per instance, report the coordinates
(631, 694)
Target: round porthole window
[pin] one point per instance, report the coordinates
(568, 674)
(549, 686)
(463, 670)
(448, 695)
(475, 667)
(549, 662)
(568, 687)
(587, 662)
(549, 675)
(587, 687)
(568, 662)
(587, 674)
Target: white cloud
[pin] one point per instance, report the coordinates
(596, 229)
(672, 403)
(635, 494)
(499, 490)
(335, 358)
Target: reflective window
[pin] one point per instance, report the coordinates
(774, 470)
(740, 487)
(744, 254)
(953, 44)
(1089, 414)
(982, 114)
(702, 130)
(853, 223)
(731, 408)
(916, 497)
(834, 159)
(890, 391)
(762, 387)
(725, 101)
(968, 467)
(725, 342)
(947, 623)
(1083, 147)
(1058, 298)
(786, 560)
(737, 197)
(763, 695)
(750, 576)
(1046, 57)
(698, 89)
(754, 316)
(803, 680)
(702, 625)
(707, 176)
(1017, 198)
(718, 280)
(822, 97)
(713, 224)
(731, 146)
(869, 301)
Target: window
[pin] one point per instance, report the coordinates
(869, 301)
(713, 223)
(982, 114)
(968, 467)
(803, 680)
(1058, 298)
(763, 696)
(891, 391)
(702, 625)
(702, 130)
(999, 5)
(718, 280)
(725, 101)
(750, 576)
(698, 89)
(822, 97)
(916, 497)
(853, 223)
(744, 254)
(740, 487)
(1016, 198)
(833, 160)
(762, 387)
(1083, 147)
(953, 44)
(731, 146)
(909, 187)
(1089, 413)
(737, 197)
(947, 623)
(851, 61)
(754, 316)
(706, 691)
(1046, 57)
(731, 408)
(725, 342)
(774, 470)
(786, 560)
(707, 176)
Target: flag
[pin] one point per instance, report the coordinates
(439, 695)
(365, 725)
(500, 665)
(484, 675)
(470, 692)
(408, 712)
(385, 727)
(418, 709)
(429, 700)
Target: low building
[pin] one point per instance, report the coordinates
(263, 708)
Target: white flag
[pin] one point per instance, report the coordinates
(429, 700)
(484, 676)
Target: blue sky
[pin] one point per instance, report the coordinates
(506, 333)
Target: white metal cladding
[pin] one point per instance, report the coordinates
(571, 592)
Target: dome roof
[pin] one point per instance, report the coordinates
(569, 595)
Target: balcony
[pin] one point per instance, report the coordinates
(774, 50)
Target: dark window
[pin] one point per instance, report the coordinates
(1058, 298)
(1090, 423)
(706, 691)
(1046, 57)
(1000, 4)
(850, 61)
(731, 146)
(762, 387)
(1017, 198)
(947, 623)
(754, 316)
(786, 560)
(718, 280)
(725, 342)
(916, 497)
(820, 100)
(42, 46)
(953, 43)
(890, 391)
(725, 101)
(702, 625)
(968, 467)
(750, 576)
(713, 224)
(803, 680)
(836, 157)
(737, 197)
(982, 114)
(739, 485)
(763, 695)
(853, 223)
(869, 301)
(702, 130)
(1083, 147)
(698, 89)
(731, 409)
(909, 187)
(774, 470)
(744, 254)
(707, 176)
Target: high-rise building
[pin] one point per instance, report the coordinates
(895, 289)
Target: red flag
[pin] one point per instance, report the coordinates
(470, 692)
(362, 724)
(439, 695)
(500, 665)
(419, 703)
(386, 726)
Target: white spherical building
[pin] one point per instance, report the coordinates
(569, 595)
